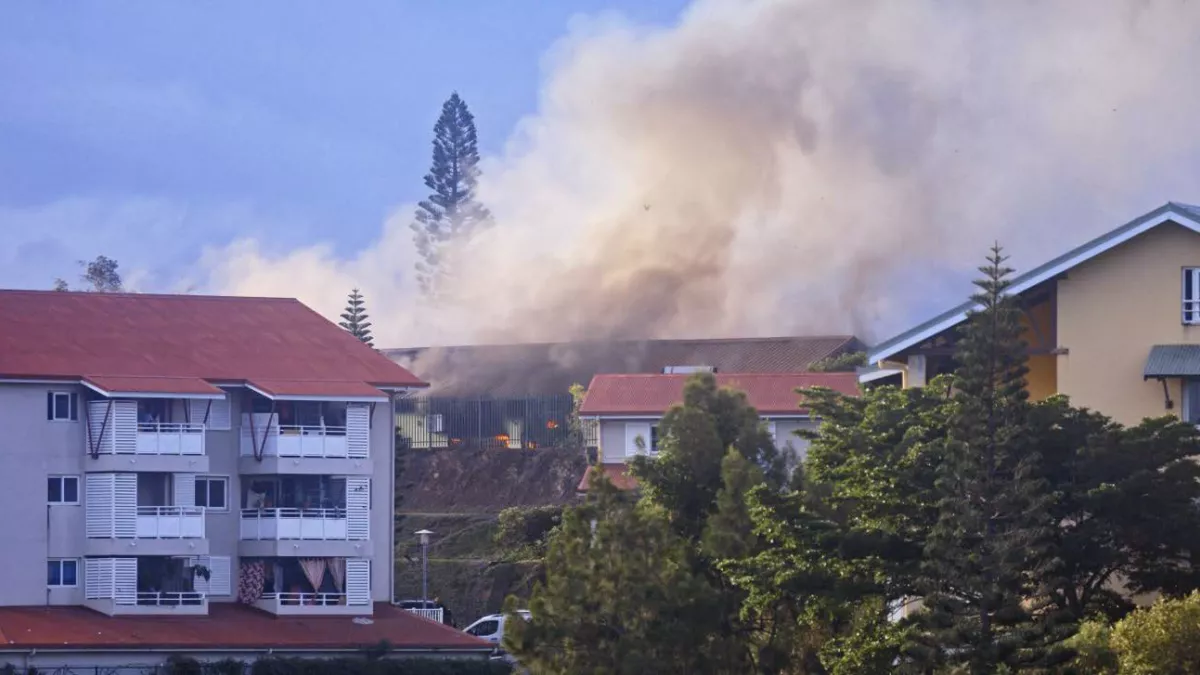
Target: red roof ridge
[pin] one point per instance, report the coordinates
(844, 337)
(158, 296)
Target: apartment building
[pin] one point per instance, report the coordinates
(165, 453)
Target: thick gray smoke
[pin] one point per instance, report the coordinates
(771, 167)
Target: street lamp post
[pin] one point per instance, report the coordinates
(423, 536)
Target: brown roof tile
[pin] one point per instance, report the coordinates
(68, 335)
(769, 393)
(228, 625)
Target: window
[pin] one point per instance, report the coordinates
(62, 489)
(211, 492)
(60, 573)
(1191, 295)
(62, 406)
(654, 439)
(434, 423)
(1191, 401)
(485, 628)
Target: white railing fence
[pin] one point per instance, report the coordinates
(170, 438)
(263, 435)
(434, 614)
(293, 523)
(163, 599)
(170, 522)
(310, 599)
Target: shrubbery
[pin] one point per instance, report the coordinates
(523, 530)
(274, 666)
(1159, 640)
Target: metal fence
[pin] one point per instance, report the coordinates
(531, 422)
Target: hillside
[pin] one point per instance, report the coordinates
(459, 494)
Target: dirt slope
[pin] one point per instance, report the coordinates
(487, 481)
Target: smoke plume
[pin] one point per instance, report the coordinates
(769, 167)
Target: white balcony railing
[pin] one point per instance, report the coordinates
(164, 599)
(314, 599)
(263, 436)
(328, 604)
(274, 524)
(170, 522)
(434, 614)
(170, 438)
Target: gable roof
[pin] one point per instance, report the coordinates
(551, 368)
(126, 343)
(229, 625)
(1185, 215)
(769, 393)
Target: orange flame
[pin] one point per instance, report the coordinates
(551, 424)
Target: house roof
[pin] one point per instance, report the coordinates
(155, 386)
(228, 626)
(160, 343)
(769, 393)
(618, 475)
(1185, 215)
(551, 368)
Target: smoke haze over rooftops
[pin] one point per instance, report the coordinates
(771, 167)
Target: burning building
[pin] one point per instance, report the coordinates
(518, 396)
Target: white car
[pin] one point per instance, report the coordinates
(491, 627)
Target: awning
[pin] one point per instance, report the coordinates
(316, 390)
(132, 386)
(1173, 361)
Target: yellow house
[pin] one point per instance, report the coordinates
(1114, 323)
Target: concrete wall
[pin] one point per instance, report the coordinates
(32, 531)
(1111, 310)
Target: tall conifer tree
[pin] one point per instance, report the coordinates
(451, 211)
(354, 319)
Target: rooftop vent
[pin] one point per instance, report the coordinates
(687, 370)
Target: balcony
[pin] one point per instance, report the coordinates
(145, 585)
(157, 603)
(310, 604)
(269, 445)
(117, 441)
(320, 524)
(170, 438)
(170, 522)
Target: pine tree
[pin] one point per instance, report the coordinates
(451, 212)
(993, 513)
(354, 319)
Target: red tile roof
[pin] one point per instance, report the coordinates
(311, 388)
(68, 335)
(148, 385)
(769, 393)
(618, 475)
(228, 625)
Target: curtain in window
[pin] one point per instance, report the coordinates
(250, 582)
(337, 570)
(314, 571)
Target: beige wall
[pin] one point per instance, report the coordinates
(1111, 310)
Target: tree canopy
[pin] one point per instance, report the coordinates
(354, 318)
(99, 275)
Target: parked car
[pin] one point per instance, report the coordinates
(491, 627)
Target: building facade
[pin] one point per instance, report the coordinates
(168, 452)
(1114, 324)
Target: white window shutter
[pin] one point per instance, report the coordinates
(220, 415)
(358, 508)
(213, 413)
(98, 578)
(358, 429)
(197, 410)
(125, 572)
(633, 431)
(184, 489)
(125, 506)
(358, 581)
(99, 495)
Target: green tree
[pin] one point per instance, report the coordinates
(1160, 640)
(452, 211)
(619, 596)
(993, 518)
(99, 275)
(846, 362)
(354, 318)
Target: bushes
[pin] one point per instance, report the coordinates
(523, 530)
(1159, 640)
(378, 667)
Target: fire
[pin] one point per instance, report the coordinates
(551, 424)
(503, 438)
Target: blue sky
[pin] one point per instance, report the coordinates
(147, 130)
